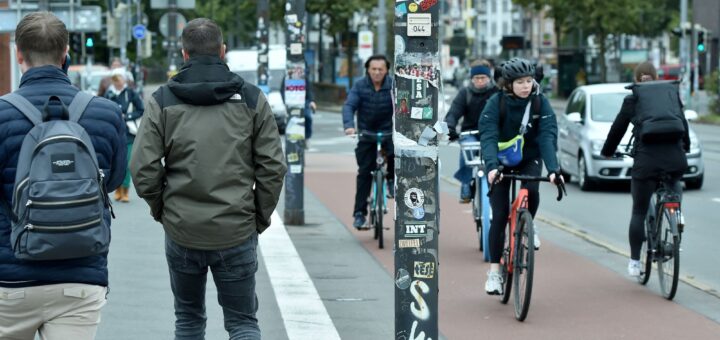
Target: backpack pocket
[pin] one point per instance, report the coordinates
(61, 220)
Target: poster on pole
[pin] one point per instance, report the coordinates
(365, 45)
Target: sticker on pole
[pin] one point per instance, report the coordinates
(419, 24)
(414, 198)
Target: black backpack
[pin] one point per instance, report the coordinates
(658, 112)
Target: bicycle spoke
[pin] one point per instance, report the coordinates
(524, 265)
(668, 255)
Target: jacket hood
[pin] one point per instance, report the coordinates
(205, 81)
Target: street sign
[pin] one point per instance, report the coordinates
(85, 19)
(163, 4)
(164, 25)
(365, 45)
(139, 31)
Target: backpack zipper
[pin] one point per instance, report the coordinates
(61, 228)
(61, 203)
(16, 197)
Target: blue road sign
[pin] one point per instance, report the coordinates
(139, 32)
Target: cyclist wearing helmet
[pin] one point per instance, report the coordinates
(540, 139)
(467, 105)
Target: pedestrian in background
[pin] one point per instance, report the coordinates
(214, 186)
(132, 109)
(106, 82)
(467, 105)
(57, 299)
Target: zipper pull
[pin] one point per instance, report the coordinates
(29, 203)
(29, 226)
(112, 213)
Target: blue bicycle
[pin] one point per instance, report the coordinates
(482, 213)
(378, 196)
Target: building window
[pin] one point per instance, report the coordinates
(505, 29)
(493, 29)
(505, 5)
(493, 6)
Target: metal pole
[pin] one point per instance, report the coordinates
(417, 215)
(263, 40)
(139, 81)
(684, 58)
(695, 66)
(172, 32)
(295, 85)
(382, 28)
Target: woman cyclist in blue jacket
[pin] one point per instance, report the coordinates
(540, 140)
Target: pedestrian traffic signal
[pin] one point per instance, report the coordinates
(701, 41)
(89, 45)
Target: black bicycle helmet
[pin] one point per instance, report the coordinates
(517, 68)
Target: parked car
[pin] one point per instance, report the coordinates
(77, 72)
(583, 128)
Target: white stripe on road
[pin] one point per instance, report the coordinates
(303, 312)
(716, 200)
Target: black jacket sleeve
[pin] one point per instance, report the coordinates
(619, 126)
(457, 109)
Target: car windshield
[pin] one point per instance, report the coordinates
(605, 106)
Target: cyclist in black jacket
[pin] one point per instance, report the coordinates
(650, 161)
(468, 104)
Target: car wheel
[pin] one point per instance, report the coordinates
(584, 181)
(695, 183)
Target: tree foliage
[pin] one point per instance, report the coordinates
(339, 13)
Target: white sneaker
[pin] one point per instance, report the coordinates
(536, 239)
(494, 283)
(634, 268)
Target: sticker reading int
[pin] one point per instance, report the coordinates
(419, 24)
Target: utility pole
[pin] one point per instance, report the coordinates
(684, 58)
(262, 36)
(417, 221)
(295, 85)
(172, 33)
(382, 28)
(138, 46)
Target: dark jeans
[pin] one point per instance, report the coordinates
(365, 154)
(642, 190)
(500, 203)
(233, 271)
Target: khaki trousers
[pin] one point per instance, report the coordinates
(55, 312)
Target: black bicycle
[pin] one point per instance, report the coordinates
(663, 235)
(378, 196)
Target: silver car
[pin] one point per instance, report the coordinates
(582, 130)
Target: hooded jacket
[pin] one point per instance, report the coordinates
(469, 109)
(374, 108)
(207, 157)
(103, 123)
(540, 138)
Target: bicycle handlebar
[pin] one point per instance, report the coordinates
(526, 178)
(470, 132)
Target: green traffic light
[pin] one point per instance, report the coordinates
(701, 47)
(89, 42)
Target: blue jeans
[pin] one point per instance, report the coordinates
(233, 271)
(464, 174)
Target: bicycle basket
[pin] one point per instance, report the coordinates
(471, 153)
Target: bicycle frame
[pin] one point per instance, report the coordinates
(379, 189)
(470, 151)
(519, 202)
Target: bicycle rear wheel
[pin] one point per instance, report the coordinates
(379, 210)
(668, 254)
(505, 264)
(477, 214)
(523, 265)
(646, 258)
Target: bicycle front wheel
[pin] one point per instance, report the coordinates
(379, 210)
(668, 253)
(523, 265)
(505, 267)
(477, 214)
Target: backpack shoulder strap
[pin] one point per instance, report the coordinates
(503, 109)
(468, 97)
(78, 105)
(536, 104)
(24, 106)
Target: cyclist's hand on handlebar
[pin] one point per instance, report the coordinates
(556, 178)
(493, 176)
(350, 131)
(453, 135)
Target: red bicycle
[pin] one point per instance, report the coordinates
(518, 259)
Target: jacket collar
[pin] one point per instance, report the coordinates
(45, 74)
(386, 85)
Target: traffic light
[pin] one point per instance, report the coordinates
(701, 41)
(75, 43)
(89, 45)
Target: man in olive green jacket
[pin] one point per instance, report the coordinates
(208, 161)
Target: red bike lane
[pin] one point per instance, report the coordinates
(573, 297)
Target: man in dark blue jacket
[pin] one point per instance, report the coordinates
(371, 98)
(60, 299)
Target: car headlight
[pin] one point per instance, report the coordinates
(694, 144)
(597, 145)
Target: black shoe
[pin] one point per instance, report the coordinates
(391, 189)
(359, 222)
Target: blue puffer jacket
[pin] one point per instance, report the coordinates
(103, 122)
(374, 108)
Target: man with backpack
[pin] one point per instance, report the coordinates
(216, 183)
(55, 219)
(661, 139)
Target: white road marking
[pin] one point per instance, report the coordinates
(303, 312)
(716, 200)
